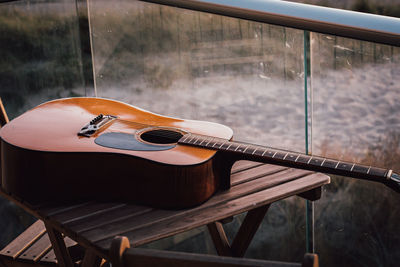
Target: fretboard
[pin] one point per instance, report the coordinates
(286, 158)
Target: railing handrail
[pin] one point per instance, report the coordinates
(356, 25)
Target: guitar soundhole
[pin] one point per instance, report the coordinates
(161, 136)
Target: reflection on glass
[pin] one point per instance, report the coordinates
(40, 53)
(356, 117)
(193, 65)
(40, 60)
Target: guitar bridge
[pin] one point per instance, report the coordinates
(96, 124)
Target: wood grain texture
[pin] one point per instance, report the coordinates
(24, 240)
(247, 230)
(219, 238)
(173, 224)
(94, 224)
(37, 250)
(155, 258)
(43, 176)
(60, 249)
(71, 245)
(53, 127)
(45, 159)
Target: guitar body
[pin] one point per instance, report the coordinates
(43, 157)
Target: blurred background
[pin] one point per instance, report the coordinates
(276, 86)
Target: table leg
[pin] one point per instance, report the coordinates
(243, 237)
(219, 238)
(59, 247)
(247, 230)
(91, 259)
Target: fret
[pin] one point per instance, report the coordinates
(344, 166)
(377, 172)
(285, 155)
(291, 157)
(250, 148)
(258, 152)
(190, 140)
(186, 137)
(352, 167)
(337, 164)
(274, 154)
(229, 146)
(328, 163)
(204, 139)
(279, 155)
(265, 151)
(234, 147)
(197, 139)
(222, 144)
(360, 169)
(270, 153)
(369, 169)
(209, 141)
(308, 162)
(314, 161)
(238, 148)
(225, 145)
(303, 159)
(218, 143)
(245, 149)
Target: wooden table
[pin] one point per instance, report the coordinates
(93, 225)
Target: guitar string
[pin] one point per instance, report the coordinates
(167, 134)
(172, 134)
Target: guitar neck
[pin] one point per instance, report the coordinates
(243, 151)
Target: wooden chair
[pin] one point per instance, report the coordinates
(33, 245)
(122, 255)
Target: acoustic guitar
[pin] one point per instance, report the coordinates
(93, 148)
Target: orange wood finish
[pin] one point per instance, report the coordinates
(43, 158)
(53, 127)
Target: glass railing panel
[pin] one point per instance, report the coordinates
(40, 60)
(193, 65)
(355, 117)
(40, 52)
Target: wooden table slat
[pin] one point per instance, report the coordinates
(242, 165)
(112, 216)
(138, 222)
(94, 224)
(25, 240)
(56, 208)
(133, 222)
(84, 211)
(178, 224)
(254, 173)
